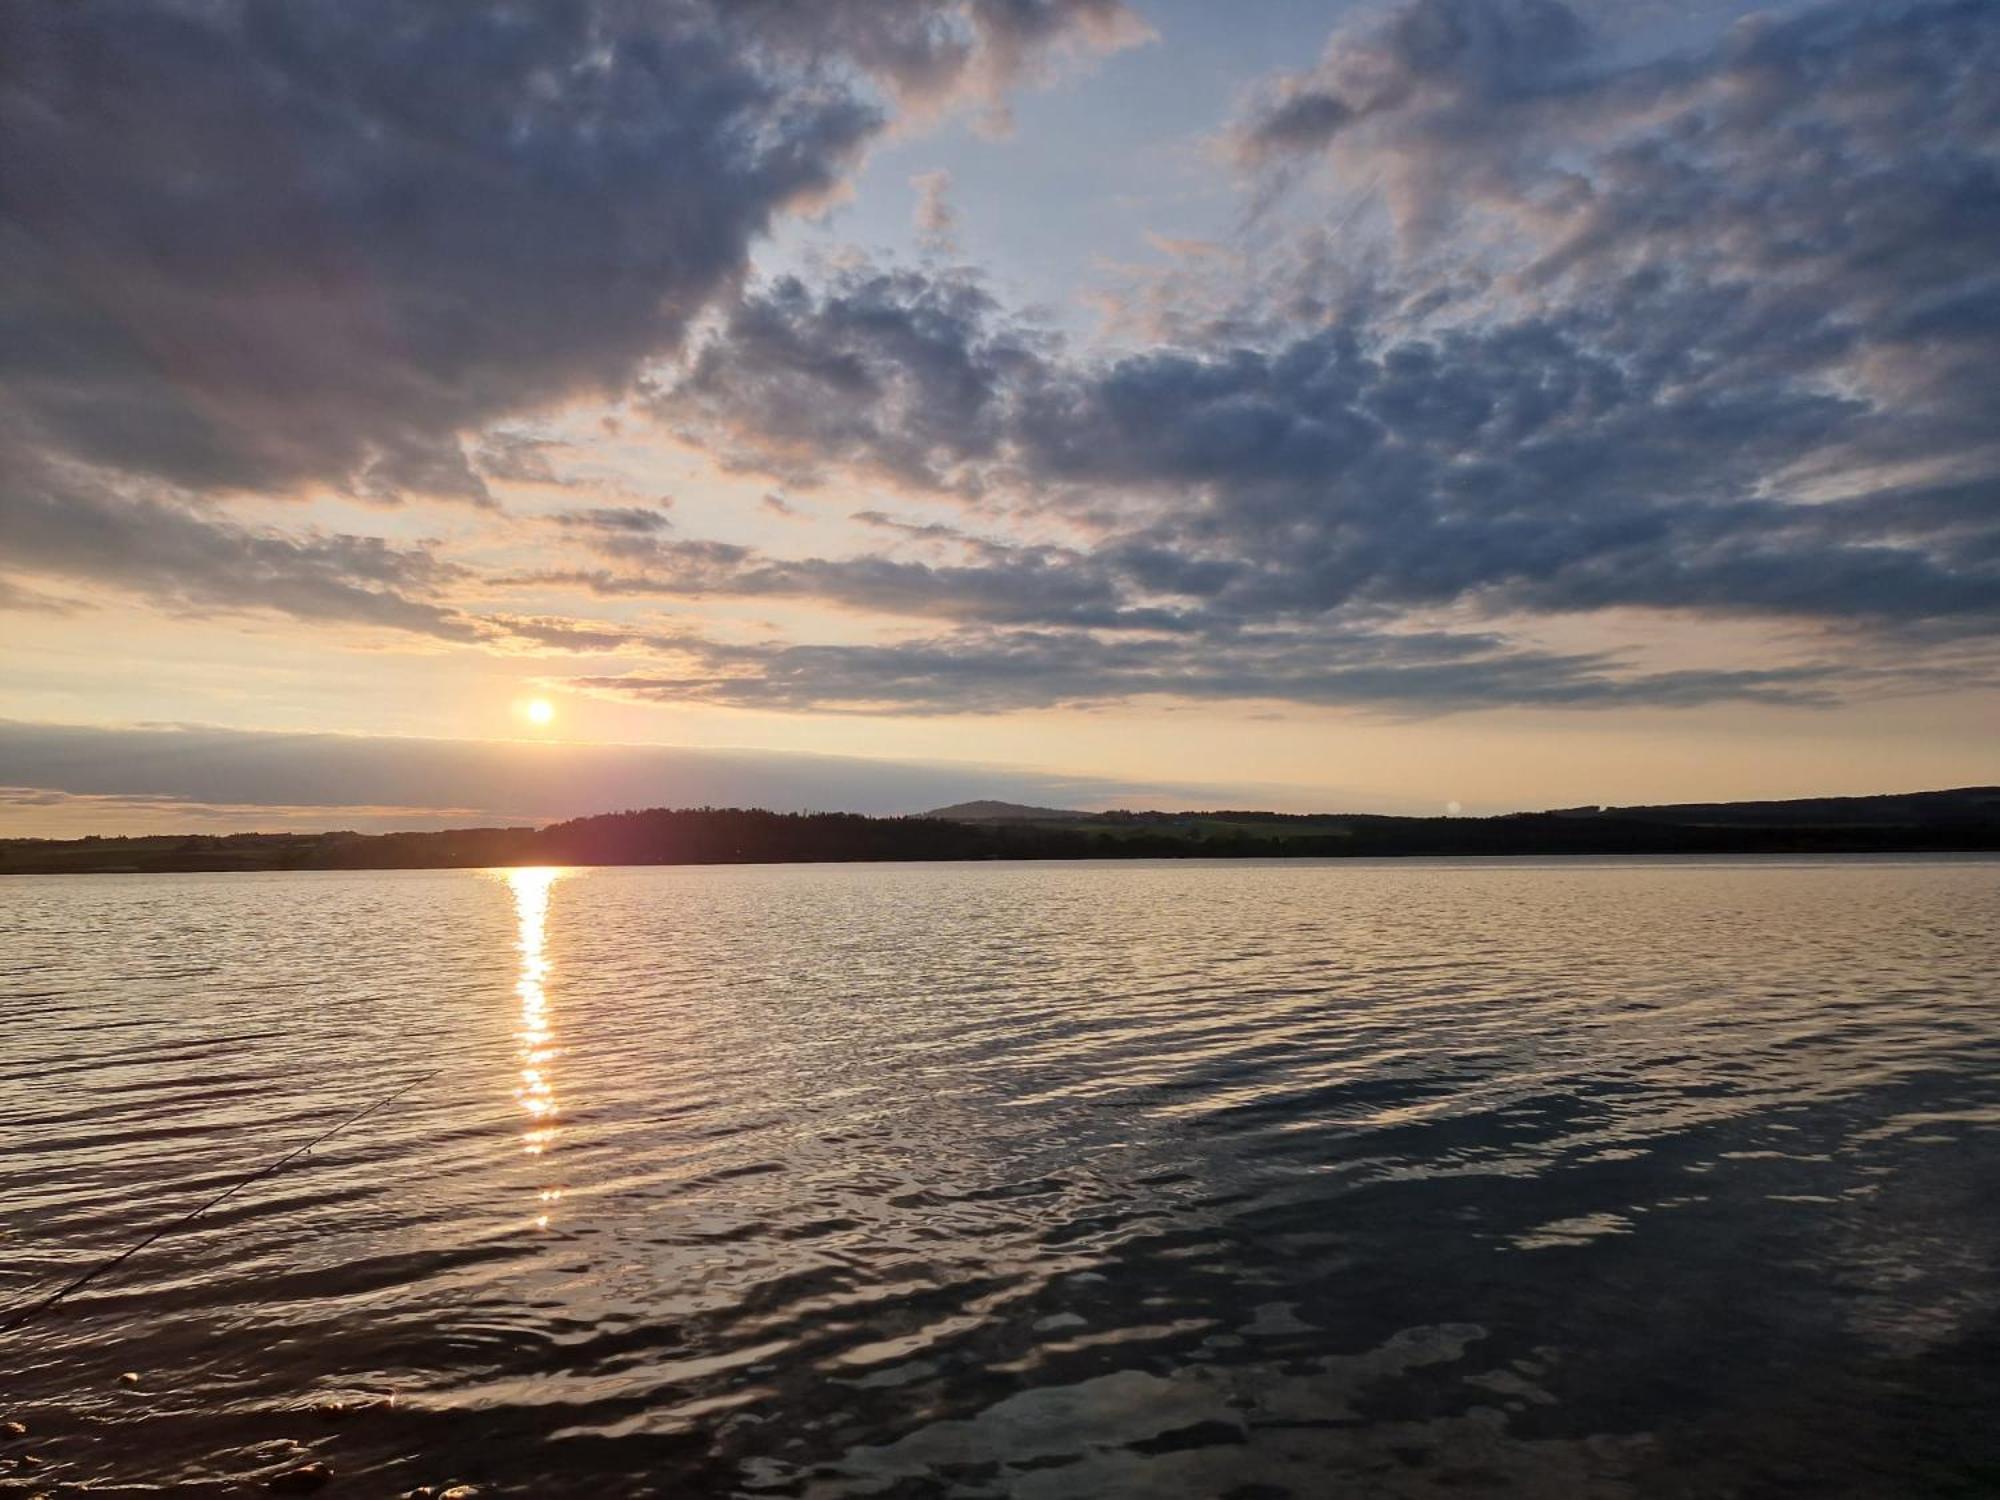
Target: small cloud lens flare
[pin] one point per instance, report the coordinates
(538, 711)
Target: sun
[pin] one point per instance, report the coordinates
(539, 711)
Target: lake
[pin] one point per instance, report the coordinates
(1584, 1178)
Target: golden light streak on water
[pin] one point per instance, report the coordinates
(536, 1036)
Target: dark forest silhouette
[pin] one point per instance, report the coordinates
(1964, 820)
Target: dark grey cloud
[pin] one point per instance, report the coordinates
(249, 246)
(922, 531)
(58, 522)
(617, 530)
(1709, 334)
(254, 245)
(1782, 246)
(897, 372)
(616, 519)
(66, 523)
(1814, 197)
(994, 671)
(1519, 464)
(1000, 585)
(1702, 335)
(1465, 59)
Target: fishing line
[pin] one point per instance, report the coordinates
(25, 1314)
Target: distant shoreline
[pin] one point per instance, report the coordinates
(1746, 855)
(1963, 821)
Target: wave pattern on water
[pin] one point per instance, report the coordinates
(1069, 1181)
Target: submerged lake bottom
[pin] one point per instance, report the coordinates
(1304, 1178)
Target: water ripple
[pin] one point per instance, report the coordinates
(1585, 1178)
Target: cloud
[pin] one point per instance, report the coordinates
(253, 250)
(39, 812)
(13, 597)
(939, 56)
(1462, 60)
(616, 530)
(64, 523)
(1518, 464)
(65, 780)
(1704, 336)
(261, 247)
(517, 458)
(998, 583)
(555, 633)
(1531, 329)
(996, 671)
(891, 372)
(626, 519)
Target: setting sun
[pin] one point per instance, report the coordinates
(539, 711)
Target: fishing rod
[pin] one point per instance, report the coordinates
(27, 1313)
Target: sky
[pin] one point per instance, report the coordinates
(1471, 404)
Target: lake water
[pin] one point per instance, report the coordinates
(1139, 1179)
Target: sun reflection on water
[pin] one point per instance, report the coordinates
(535, 1036)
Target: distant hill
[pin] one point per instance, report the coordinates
(1003, 812)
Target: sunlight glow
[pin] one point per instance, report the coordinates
(539, 712)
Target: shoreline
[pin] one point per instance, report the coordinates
(695, 840)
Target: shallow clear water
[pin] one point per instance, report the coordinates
(1562, 1178)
